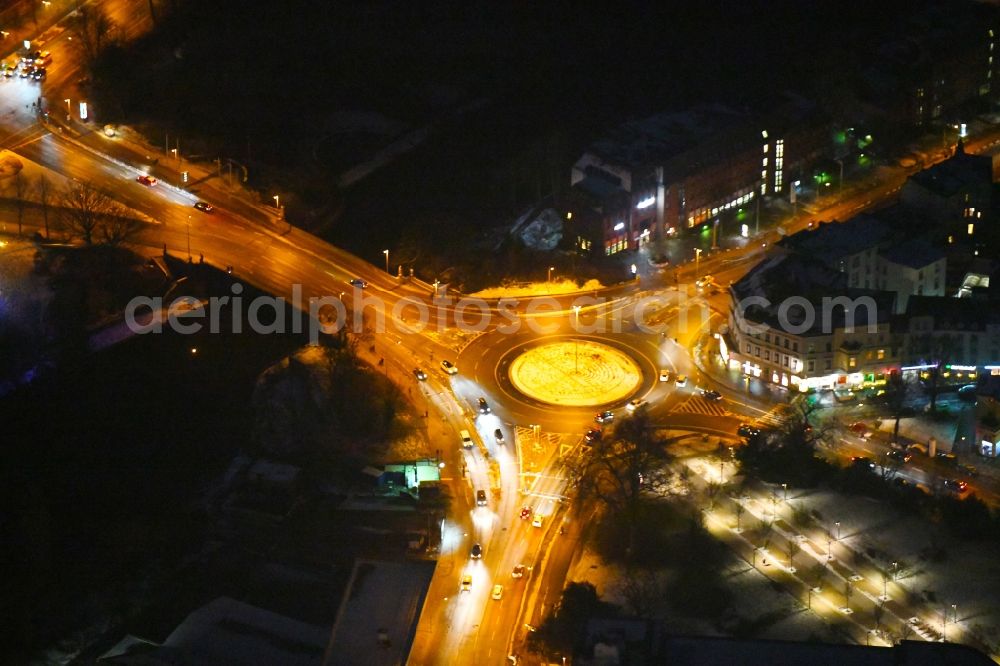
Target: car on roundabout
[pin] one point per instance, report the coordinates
(449, 367)
(466, 583)
(664, 375)
(635, 404)
(681, 380)
(525, 512)
(204, 206)
(537, 520)
(607, 416)
(419, 374)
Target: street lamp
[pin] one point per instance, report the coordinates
(549, 278)
(189, 238)
(386, 253)
(69, 109)
(697, 260)
(838, 530)
(840, 194)
(895, 567)
(277, 201)
(174, 151)
(784, 487)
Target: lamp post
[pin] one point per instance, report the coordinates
(277, 201)
(784, 488)
(174, 151)
(697, 261)
(69, 109)
(549, 278)
(386, 253)
(576, 343)
(838, 529)
(189, 238)
(895, 567)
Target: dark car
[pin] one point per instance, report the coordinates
(358, 282)
(480, 498)
(38, 74)
(607, 416)
(477, 552)
(747, 430)
(525, 512)
(146, 180)
(709, 394)
(484, 407)
(419, 374)
(204, 207)
(967, 393)
(956, 485)
(900, 456)
(862, 462)
(593, 435)
(498, 436)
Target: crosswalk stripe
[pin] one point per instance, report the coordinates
(698, 405)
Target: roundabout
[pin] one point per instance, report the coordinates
(575, 373)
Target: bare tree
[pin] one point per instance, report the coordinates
(21, 187)
(86, 211)
(43, 186)
(118, 228)
(94, 31)
(623, 467)
(793, 548)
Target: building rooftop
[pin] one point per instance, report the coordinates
(831, 241)
(954, 314)
(914, 253)
(949, 177)
(379, 612)
(787, 275)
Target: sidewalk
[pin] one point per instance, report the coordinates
(757, 393)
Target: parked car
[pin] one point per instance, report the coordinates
(419, 374)
(862, 461)
(607, 416)
(449, 367)
(146, 180)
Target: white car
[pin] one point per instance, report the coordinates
(497, 593)
(664, 375)
(705, 281)
(681, 380)
(635, 404)
(536, 521)
(449, 367)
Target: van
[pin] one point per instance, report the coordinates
(466, 438)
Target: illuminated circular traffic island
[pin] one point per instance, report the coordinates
(575, 373)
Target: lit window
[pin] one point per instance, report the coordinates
(852, 362)
(881, 354)
(779, 148)
(763, 133)
(765, 147)
(971, 228)
(763, 162)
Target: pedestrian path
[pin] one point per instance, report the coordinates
(698, 405)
